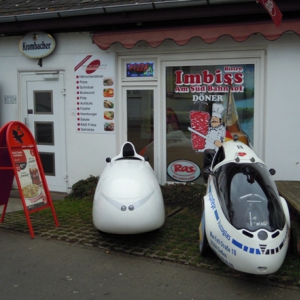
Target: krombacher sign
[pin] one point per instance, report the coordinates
(37, 44)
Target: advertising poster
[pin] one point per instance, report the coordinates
(21, 160)
(29, 176)
(95, 93)
(24, 161)
(206, 106)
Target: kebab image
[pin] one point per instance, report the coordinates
(207, 132)
(199, 129)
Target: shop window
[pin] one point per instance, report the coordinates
(205, 106)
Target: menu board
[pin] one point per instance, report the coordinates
(29, 176)
(95, 93)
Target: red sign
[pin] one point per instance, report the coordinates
(183, 170)
(93, 66)
(273, 10)
(19, 158)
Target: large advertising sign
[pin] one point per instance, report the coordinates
(19, 158)
(95, 93)
(206, 106)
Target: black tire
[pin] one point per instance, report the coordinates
(203, 242)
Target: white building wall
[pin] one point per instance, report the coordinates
(86, 153)
(10, 59)
(282, 131)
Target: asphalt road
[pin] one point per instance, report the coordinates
(46, 269)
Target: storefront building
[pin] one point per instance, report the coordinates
(90, 91)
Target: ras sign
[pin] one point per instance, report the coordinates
(183, 170)
(37, 44)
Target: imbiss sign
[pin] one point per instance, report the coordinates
(37, 44)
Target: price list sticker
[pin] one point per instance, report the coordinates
(95, 94)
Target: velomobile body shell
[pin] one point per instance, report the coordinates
(128, 198)
(244, 221)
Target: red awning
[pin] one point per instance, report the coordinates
(181, 36)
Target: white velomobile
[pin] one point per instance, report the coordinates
(245, 221)
(128, 198)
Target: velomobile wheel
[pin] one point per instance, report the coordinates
(203, 243)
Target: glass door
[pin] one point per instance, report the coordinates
(140, 119)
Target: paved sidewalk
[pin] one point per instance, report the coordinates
(47, 269)
(176, 241)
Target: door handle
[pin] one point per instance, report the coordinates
(26, 121)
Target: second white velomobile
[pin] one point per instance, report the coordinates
(128, 198)
(245, 221)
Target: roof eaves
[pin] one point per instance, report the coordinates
(39, 12)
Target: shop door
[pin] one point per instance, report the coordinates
(141, 116)
(43, 113)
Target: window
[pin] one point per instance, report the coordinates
(249, 199)
(43, 102)
(205, 106)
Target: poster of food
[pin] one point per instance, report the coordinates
(95, 93)
(206, 106)
(29, 177)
